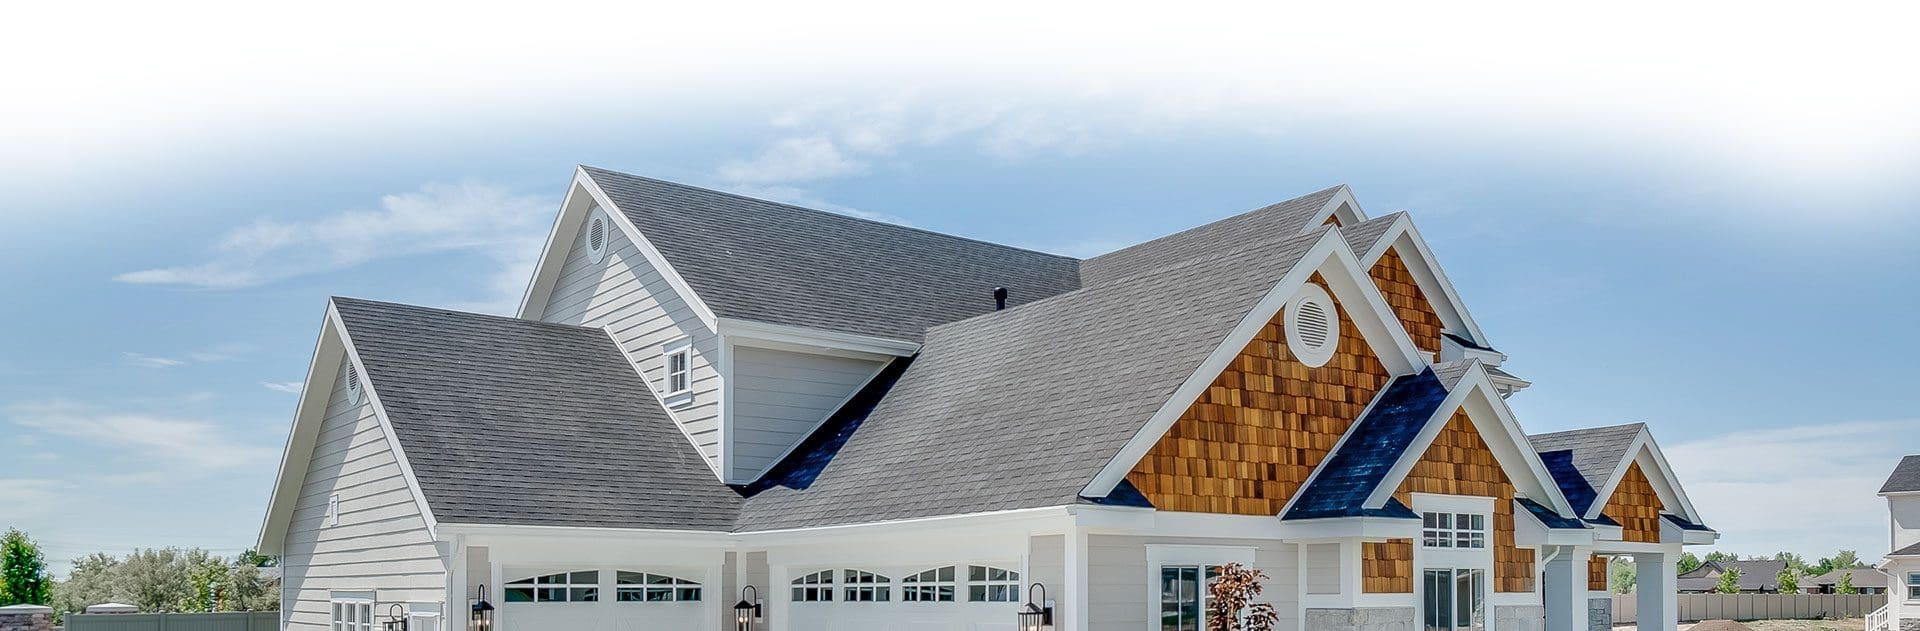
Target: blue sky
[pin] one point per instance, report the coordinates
(1711, 234)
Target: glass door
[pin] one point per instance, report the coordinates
(1452, 600)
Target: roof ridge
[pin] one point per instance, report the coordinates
(828, 213)
(1124, 281)
(472, 314)
(1641, 424)
(1223, 219)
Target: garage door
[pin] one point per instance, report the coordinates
(602, 600)
(948, 598)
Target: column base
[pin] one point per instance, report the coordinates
(1520, 618)
(1599, 614)
(1360, 619)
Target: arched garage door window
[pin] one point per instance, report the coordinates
(574, 587)
(654, 588)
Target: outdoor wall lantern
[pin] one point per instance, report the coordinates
(747, 610)
(1037, 615)
(396, 619)
(482, 611)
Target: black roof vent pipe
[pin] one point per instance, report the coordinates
(999, 298)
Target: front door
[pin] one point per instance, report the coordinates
(1453, 600)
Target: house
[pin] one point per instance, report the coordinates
(1901, 568)
(1759, 576)
(708, 399)
(1865, 580)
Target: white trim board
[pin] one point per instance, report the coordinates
(1653, 464)
(1404, 238)
(573, 213)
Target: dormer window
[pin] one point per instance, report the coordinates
(1453, 530)
(679, 362)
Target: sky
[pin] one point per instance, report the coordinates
(1702, 221)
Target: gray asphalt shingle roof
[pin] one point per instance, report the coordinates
(1758, 575)
(510, 421)
(1283, 219)
(1364, 235)
(769, 262)
(1905, 477)
(1021, 408)
(1593, 454)
(1912, 550)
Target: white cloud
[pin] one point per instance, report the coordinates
(289, 387)
(196, 445)
(798, 159)
(439, 217)
(1808, 489)
(26, 498)
(151, 361)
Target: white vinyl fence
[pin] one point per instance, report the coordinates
(1697, 607)
(226, 621)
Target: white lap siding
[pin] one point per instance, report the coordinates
(1119, 586)
(780, 396)
(380, 542)
(629, 297)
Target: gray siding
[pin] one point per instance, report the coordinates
(381, 542)
(1118, 585)
(629, 297)
(780, 396)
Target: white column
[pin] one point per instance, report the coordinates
(1565, 589)
(1070, 611)
(779, 595)
(1654, 588)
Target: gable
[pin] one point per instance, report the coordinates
(1402, 291)
(1460, 462)
(1257, 432)
(1636, 506)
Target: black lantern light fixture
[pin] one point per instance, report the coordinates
(396, 619)
(747, 611)
(482, 611)
(1038, 614)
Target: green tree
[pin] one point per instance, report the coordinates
(1729, 581)
(1621, 576)
(23, 571)
(1794, 561)
(1788, 580)
(1717, 556)
(1845, 586)
(1846, 559)
(1688, 562)
(94, 580)
(254, 558)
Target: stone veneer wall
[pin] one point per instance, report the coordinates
(1361, 619)
(1599, 614)
(1910, 624)
(1520, 618)
(26, 619)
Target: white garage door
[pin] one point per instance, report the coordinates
(603, 600)
(948, 598)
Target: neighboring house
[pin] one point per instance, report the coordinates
(880, 427)
(1865, 580)
(1902, 566)
(1756, 577)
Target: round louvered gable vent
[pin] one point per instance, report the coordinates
(1313, 326)
(597, 236)
(353, 382)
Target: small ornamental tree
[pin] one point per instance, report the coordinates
(1789, 581)
(23, 571)
(1845, 586)
(1729, 581)
(1230, 605)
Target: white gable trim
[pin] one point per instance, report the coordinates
(1475, 394)
(1426, 273)
(582, 196)
(1342, 206)
(1356, 294)
(1653, 463)
(334, 346)
(803, 339)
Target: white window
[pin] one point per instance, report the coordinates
(866, 587)
(679, 361)
(815, 587)
(1453, 530)
(564, 587)
(351, 614)
(633, 587)
(1913, 586)
(333, 510)
(1183, 596)
(992, 585)
(935, 585)
(1453, 600)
